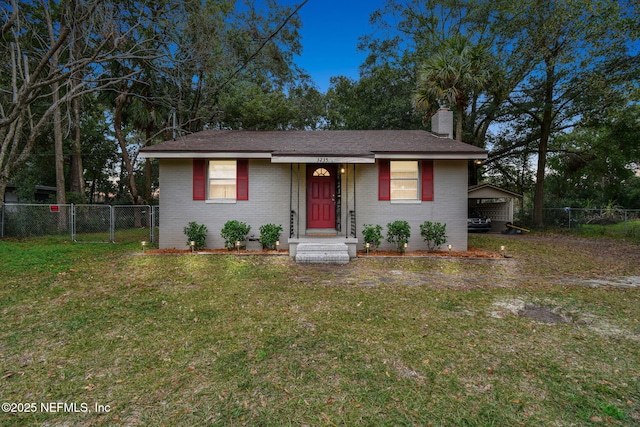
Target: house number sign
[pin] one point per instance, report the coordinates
(321, 159)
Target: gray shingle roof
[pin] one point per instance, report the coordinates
(354, 143)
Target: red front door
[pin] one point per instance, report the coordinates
(321, 195)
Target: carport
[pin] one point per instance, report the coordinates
(493, 202)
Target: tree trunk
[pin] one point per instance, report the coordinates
(77, 184)
(77, 169)
(545, 133)
(147, 172)
(3, 188)
(61, 197)
(121, 100)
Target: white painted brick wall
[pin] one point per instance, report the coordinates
(449, 205)
(269, 195)
(268, 203)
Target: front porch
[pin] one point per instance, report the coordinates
(322, 223)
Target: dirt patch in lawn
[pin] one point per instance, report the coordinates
(543, 314)
(471, 253)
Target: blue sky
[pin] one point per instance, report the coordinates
(330, 32)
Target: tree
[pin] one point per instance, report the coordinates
(578, 51)
(381, 99)
(28, 105)
(455, 73)
(595, 164)
(555, 63)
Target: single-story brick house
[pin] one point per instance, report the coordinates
(321, 186)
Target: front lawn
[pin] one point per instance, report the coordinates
(550, 336)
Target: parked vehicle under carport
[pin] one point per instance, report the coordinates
(476, 222)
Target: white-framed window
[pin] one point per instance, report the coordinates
(404, 180)
(222, 175)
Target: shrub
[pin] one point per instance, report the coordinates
(434, 233)
(234, 231)
(269, 235)
(196, 233)
(372, 235)
(398, 232)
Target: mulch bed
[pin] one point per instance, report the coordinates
(471, 253)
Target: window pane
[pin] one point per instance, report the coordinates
(404, 189)
(222, 169)
(404, 180)
(222, 189)
(222, 179)
(404, 169)
(321, 172)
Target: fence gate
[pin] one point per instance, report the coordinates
(91, 223)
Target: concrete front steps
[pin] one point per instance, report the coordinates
(322, 253)
(322, 249)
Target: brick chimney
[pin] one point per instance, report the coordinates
(442, 123)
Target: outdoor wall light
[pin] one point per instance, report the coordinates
(144, 244)
(192, 244)
(342, 170)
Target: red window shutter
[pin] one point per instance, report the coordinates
(427, 180)
(199, 179)
(384, 180)
(242, 177)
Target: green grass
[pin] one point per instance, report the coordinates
(625, 231)
(222, 340)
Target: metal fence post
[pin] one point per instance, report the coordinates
(112, 225)
(152, 224)
(2, 222)
(72, 221)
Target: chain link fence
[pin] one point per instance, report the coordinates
(613, 222)
(83, 223)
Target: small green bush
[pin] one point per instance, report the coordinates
(196, 233)
(398, 232)
(434, 233)
(269, 235)
(372, 235)
(234, 231)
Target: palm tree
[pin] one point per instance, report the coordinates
(450, 76)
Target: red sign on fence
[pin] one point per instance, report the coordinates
(54, 208)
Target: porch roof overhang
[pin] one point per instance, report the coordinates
(315, 146)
